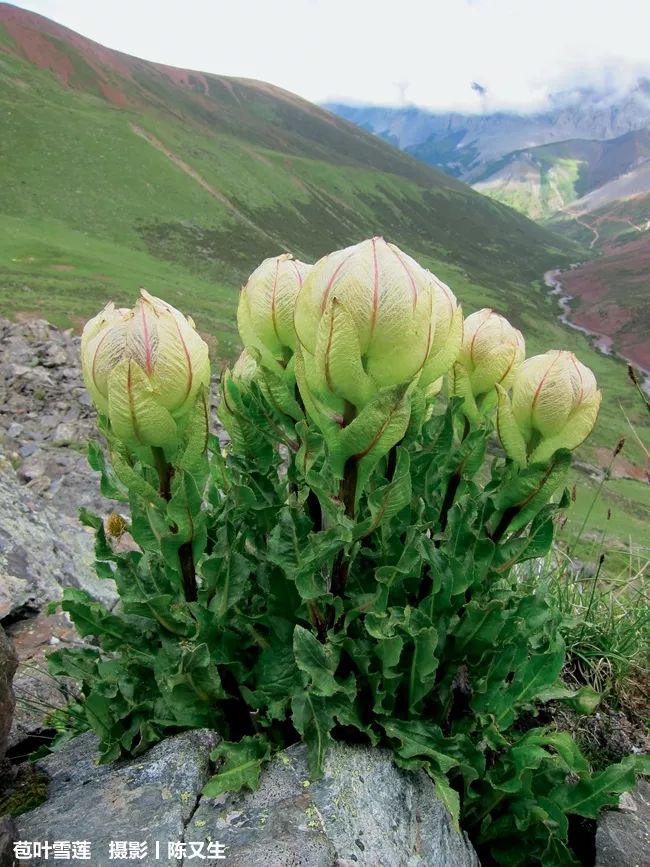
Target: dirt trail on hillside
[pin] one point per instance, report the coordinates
(201, 181)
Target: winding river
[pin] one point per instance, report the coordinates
(601, 342)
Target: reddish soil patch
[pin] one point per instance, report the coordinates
(42, 42)
(621, 468)
(62, 267)
(613, 292)
(27, 315)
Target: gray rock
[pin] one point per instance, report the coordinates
(623, 835)
(47, 417)
(37, 692)
(7, 838)
(365, 812)
(68, 432)
(41, 552)
(148, 799)
(8, 665)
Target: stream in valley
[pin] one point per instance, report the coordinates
(601, 342)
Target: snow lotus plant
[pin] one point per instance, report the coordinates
(345, 565)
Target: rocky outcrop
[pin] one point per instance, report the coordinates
(46, 416)
(41, 552)
(8, 665)
(623, 835)
(46, 420)
(365, 812)
(7, 838)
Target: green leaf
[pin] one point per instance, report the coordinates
(584, 700)
(192, 456)
(226, 581)
(479, 629)
(318, 661)
(379, 426)
(242, 765)
(448, 796)
(276, 679)
(529, 490)
(91, 618)
(109, 485)
(530, 680)
(132, 479)
(424, 663)
(313, 719)
(279, 395)
(419, 739)
(591, 794)
(388, 500)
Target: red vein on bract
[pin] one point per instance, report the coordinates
(99, 345)
(471, 344)
(297, 270)
(129, 391)
(574, 362)
(512, 361)
(147, 345)
(408, 274)
(275, 286)
(541, 382)
(190, 374)
(375, 287)
(380, 431)
(330, 283)
(328, 350)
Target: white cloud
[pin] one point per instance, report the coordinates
(365, 50)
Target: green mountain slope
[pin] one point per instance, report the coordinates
(543, 180)
(117, 173)
(123, 171)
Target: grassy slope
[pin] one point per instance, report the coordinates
(566, 171)
(90, 210)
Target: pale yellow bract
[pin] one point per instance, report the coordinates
(554, 405)
(143, 368)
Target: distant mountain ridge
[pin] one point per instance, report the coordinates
(578, 174)
(589, 151)
(464, 144)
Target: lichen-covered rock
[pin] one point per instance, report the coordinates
(145, 800)
(36, 690)
(47, 416)
(8, 665)
(623, 835)
(7, 837)
(41, 552)
(364, 812)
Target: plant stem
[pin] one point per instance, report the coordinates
(347, 494)
(188, 573)
(450, 495)
(453, 484)
(185, 552)
(502, 526)
(164, 472)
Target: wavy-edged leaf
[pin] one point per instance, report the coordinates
(242, 765)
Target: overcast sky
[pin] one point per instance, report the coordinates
(426, 52)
